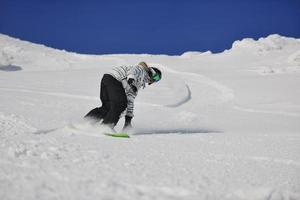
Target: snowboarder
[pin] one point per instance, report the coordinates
(118, 90)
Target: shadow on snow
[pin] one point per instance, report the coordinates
(10, 68)
(174, 131)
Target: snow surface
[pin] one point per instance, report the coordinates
(218, 126)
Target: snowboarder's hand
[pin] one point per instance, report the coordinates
(127, 124)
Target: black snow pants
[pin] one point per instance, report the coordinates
(114, 101)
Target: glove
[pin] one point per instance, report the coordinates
(130, 83)
(127, 124)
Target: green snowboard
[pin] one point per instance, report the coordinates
(121, 135)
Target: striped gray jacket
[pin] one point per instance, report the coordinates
(140, 76)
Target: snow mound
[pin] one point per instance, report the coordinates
(36, 57)
(190, 54)
(272, 55)
(271, 43)
(17, 52)
(294, 58)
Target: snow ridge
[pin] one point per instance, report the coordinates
(273, 42)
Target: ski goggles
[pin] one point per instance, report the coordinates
(156, 77)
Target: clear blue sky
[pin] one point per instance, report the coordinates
(154, 26)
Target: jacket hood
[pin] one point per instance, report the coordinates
(144, 66)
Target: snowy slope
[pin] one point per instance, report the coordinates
(218, 126)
